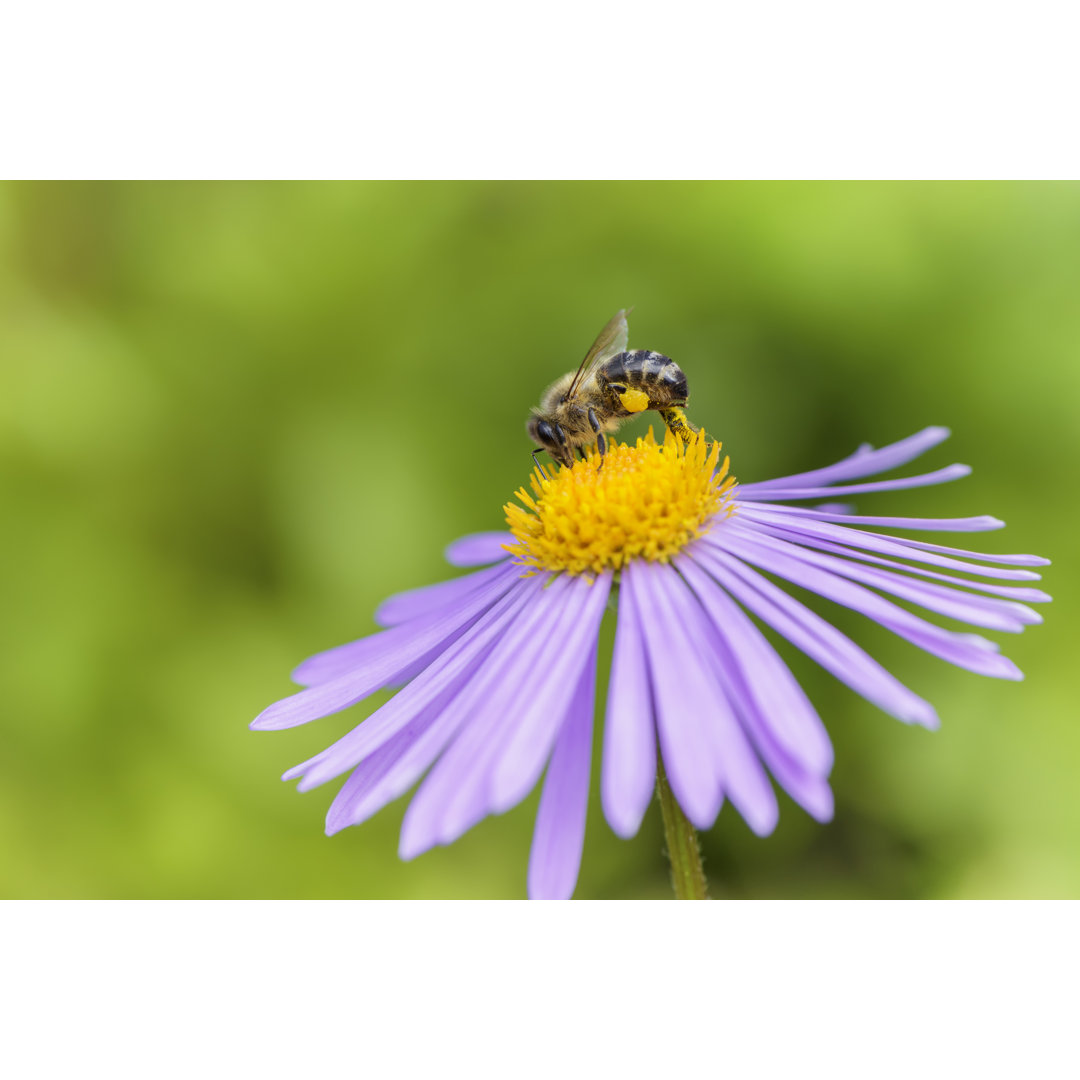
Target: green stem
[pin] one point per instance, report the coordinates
(687, 875)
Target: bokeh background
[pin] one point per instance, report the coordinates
(234, 416)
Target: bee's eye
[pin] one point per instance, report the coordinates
(544, 432)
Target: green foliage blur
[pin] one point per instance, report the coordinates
(234, 416)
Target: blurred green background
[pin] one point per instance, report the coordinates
(234, 416)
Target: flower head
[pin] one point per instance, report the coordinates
(498, 668)
(637, 502)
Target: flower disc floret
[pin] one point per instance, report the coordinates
(645, 501)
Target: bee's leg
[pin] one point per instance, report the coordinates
(677, 423)
(538, 465)
(601, 439)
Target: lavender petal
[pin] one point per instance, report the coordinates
(476, 549)
(519, 763)
(448, 676)
(1020, 593)
(761, 493)
(387, 653)
(699, 733)
(430, 599)
(792, 722)
(763, 720)
(559, 835)
(741, 775)
(628, 763)
(1005, 560)
(982, 523)
(803, 531)
(985, 611)
(683, 698)
(818, 638)
(536, 671)
(964, 650)
(864, 462)
(395, 666)
(368, 775)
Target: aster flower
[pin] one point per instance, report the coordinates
(497, 669)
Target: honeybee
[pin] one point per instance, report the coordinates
(610, 385)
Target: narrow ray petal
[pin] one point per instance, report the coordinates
(982, 523)
(535, 673)
(559, 835)
(430, 599)
(367, 777)
(744, 681)
(739, 770)
(447, 675)
(684, 698)
(818, 638)
(628, 765)
(409, 654)
(792, 721)
(518, 764)
(385, 654)
(476, 549)
(980, 556)
(477, 723)
(964, 650)
(1018, 593)
(803, 530)
(391, 769)
(864, 462)
(984, 611)
(760, 493)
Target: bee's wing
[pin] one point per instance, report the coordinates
(609, 342)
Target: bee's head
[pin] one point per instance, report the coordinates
(552, 438)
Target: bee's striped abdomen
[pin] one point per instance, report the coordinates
(656, 374)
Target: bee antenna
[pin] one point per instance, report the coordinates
(538, 465)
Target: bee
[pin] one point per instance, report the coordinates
(610, 385)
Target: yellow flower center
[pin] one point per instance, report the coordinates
(637, 502)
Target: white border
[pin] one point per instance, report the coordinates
(534, 990)
(777, 89)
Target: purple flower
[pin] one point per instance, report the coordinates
(497, 669)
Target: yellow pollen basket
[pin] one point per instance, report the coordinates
(634, 401)
(646, 501)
